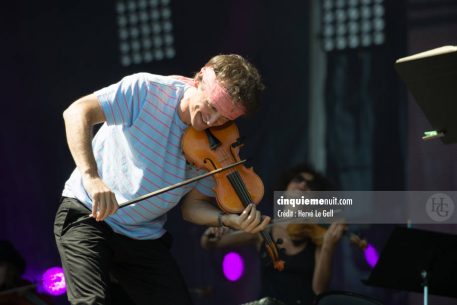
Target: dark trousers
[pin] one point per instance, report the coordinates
(92, 253)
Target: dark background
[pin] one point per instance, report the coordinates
(54, 52)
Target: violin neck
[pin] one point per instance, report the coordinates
(266, 236)
(241, 190)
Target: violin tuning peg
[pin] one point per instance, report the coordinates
(238, 142)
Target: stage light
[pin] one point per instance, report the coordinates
(378, 10)
(366, 40)
(144, 26)
(125, 60)
(341, 44)
(371, 255)
(53, 281)
(350, 24)
(148, 57)
(147, 44)
(168, 39)
(379, 38)
(142, 4)
(353, 28)
(137, 58)
(353, 13)
(170, 52)
(158, 42)
(233, 266)
(328, 4)
(158, 54)
(353, 41)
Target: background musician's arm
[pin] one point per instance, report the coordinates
(324, 257)
(222, 237)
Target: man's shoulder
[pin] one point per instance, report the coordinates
(156, 79)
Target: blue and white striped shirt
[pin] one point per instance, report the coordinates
(138, 150)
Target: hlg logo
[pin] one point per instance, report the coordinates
(440, 207)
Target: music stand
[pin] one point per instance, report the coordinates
(431, 77)
(419, 261)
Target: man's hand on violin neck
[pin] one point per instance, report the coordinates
(250, 220)
(104, 201)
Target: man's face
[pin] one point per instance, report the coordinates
(204, 113)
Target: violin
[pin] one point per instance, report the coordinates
(236, 188)
(299, 231)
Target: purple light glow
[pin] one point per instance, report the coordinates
(54, 281)
(233, 266)
(371, 255)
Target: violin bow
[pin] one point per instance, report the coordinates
(168, 188)
(179, 184)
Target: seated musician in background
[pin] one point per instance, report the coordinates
(13, 288)
(308, 266)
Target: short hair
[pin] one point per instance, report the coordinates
(240, 78)
(318, 183)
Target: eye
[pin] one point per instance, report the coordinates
(211, 106)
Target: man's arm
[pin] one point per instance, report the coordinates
(196, 208)
(79, 119)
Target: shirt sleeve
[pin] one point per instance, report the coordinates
(122, 102)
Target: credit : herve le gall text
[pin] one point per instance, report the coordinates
(305, 214)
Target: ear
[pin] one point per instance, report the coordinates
(197, 78)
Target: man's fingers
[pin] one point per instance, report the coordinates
(262, 226)
(102, 208)
(110, 205)
(95, 205)
(104, 201)
(114, 205)
(245, 214)
(104, 205)
(256, 218)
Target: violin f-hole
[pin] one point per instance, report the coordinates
(208, 160)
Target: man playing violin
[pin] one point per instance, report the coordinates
(136, 151)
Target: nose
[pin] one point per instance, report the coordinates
(305, 186)
(302, 185)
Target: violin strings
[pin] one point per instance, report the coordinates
(242, 186)
(239, 186)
